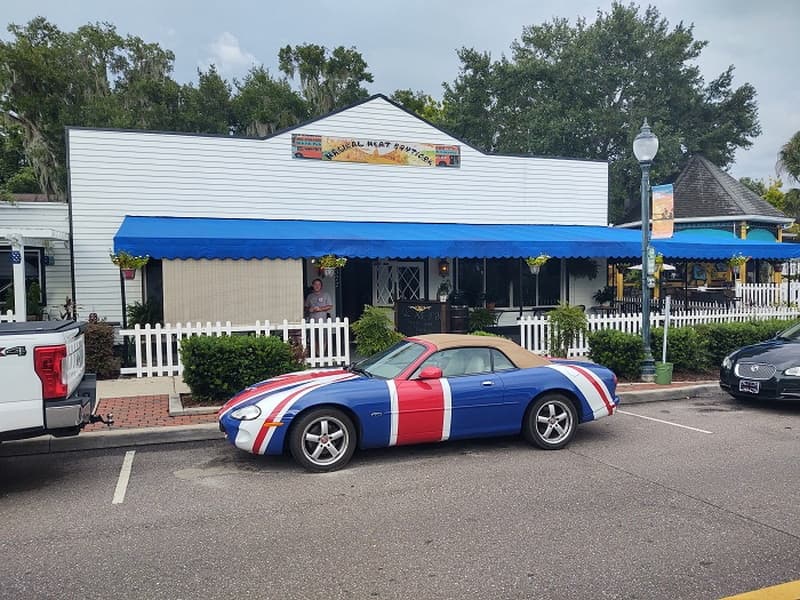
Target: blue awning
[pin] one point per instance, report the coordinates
(704, 244)
(196, 238)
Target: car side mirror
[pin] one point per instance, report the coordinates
(431, 373)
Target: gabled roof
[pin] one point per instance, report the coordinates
(704, 192)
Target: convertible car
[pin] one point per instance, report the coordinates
(428, 388)
(766, 371)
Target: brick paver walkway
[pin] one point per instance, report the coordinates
(144, 411)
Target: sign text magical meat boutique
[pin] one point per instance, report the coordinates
(372, 151)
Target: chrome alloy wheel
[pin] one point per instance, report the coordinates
(554, 421)
(325, 440)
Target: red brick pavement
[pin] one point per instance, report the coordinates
(144, 411)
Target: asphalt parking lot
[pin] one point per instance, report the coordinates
(684, 499)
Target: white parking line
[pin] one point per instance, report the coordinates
(630, 414)
(124, 476)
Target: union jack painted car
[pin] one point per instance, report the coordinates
(429, 388)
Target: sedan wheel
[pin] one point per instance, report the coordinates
(323, 440)
(550, 422)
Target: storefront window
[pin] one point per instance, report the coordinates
(498, 280)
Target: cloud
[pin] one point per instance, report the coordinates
(229, 57)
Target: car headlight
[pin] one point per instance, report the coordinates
(795, 371)
(246, 413)
(727, 363)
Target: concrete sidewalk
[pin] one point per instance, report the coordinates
(149, 411)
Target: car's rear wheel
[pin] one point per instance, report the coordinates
(322, 440)
(550, 422)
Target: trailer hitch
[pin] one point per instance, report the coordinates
(108, 420)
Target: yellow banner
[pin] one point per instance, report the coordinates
(375, 151)
(663, 212)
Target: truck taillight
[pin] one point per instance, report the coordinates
(48, 361)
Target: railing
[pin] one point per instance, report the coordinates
(768, 294)
(535, 332)
(156, 350)
(8, 317)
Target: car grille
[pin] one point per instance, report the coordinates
(748, 370)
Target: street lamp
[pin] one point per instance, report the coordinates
(645, 147)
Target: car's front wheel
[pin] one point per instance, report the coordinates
(550, 422)
(322, 440)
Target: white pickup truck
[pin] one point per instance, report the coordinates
(43, 385)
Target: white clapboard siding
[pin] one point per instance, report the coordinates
(45, 215)
(535, 332)
(156, 350)
(118, 173)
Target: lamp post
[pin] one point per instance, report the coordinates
(645, 147)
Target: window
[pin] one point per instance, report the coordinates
(391, 362)
(501, 362)
(34, 273)
(458, 361)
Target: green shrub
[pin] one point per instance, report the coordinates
(567, 323)
(484, 333)
(687, 349)
(374, 331)
(621, 352)
(144, 313)
(98, 339)
(481, 318)
(216, 368)
(724, 338)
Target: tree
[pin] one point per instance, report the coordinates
(50, 79)
(327, 81)
(789, 157)
(421, 104)
(754, 185)
(207, 108)
(583, 91)
(263, 105)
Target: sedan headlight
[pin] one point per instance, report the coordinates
(795, 371)
(246, 413)
(727, 363)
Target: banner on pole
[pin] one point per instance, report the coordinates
(663, 212)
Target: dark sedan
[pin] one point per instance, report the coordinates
(767, 371)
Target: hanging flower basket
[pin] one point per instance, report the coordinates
(535, 262)
(129, 273)
(328, 271)
(330, 262)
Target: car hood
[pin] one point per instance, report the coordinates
(281, 383)
(781, 353)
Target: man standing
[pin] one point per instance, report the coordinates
(318, 303)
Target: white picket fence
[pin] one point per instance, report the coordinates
(768, 294)
(157, 349)
(535, 332)
(7, 317)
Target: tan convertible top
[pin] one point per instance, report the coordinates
(517, 354)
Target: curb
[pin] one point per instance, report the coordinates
(674, 393)
(113, 438)
(176, 408)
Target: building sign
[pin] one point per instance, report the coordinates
(375, 151)
(663, 212)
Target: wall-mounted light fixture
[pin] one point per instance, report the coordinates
(444, 267)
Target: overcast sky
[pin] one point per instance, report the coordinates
(412, 44)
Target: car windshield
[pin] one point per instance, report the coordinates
(391, 362)
(793, 333)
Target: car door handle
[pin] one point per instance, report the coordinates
(487, 383)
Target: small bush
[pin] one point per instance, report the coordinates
(98, 339)
(216, 368)
(567, 324)
(374, 332)
(724, 338)
(481, 318)
(687, 349)
(145, 313)
(621, 352)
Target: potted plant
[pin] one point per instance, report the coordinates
(444, 290)
(330, 262)
(605, 295)
(736, 261)
(535, 262)
(128, 263)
